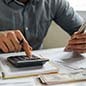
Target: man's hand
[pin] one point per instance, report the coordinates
(77, 43)
(10, 42)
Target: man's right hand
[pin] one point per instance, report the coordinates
(10, 42)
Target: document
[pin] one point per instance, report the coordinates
(18, 82)
(74, 60)
(71, 60)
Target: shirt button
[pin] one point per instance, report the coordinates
(26, 28)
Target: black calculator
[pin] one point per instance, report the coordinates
(24, 61)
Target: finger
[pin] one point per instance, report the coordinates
(14, 41)
(75, 50)
(68, 49)
(77, 41)
(19, 35)
(10, 46)
(81, 35)
(3, 47)
(75, 34)
(79, 50)
(78, 32)
(8, 43)
(27, 48)
(76, 47)
(25, 45)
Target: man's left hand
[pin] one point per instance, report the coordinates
(77, 43)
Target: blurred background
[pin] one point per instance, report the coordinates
(56, 37)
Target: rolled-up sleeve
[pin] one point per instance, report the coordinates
(66, 17)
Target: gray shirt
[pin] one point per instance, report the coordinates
(34, 18)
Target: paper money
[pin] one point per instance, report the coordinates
(63, 78)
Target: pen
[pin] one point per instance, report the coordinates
(82, 28)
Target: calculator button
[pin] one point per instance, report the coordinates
(20, 58)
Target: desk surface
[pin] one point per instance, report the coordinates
(54, 55)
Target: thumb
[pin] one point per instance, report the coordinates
(75, 35)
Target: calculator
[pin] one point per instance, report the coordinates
(24, 61)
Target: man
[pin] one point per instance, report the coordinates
(22, 20)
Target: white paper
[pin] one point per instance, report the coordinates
(18, 82)
(69, 60)
(75, 61)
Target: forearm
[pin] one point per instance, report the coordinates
(67, 18)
